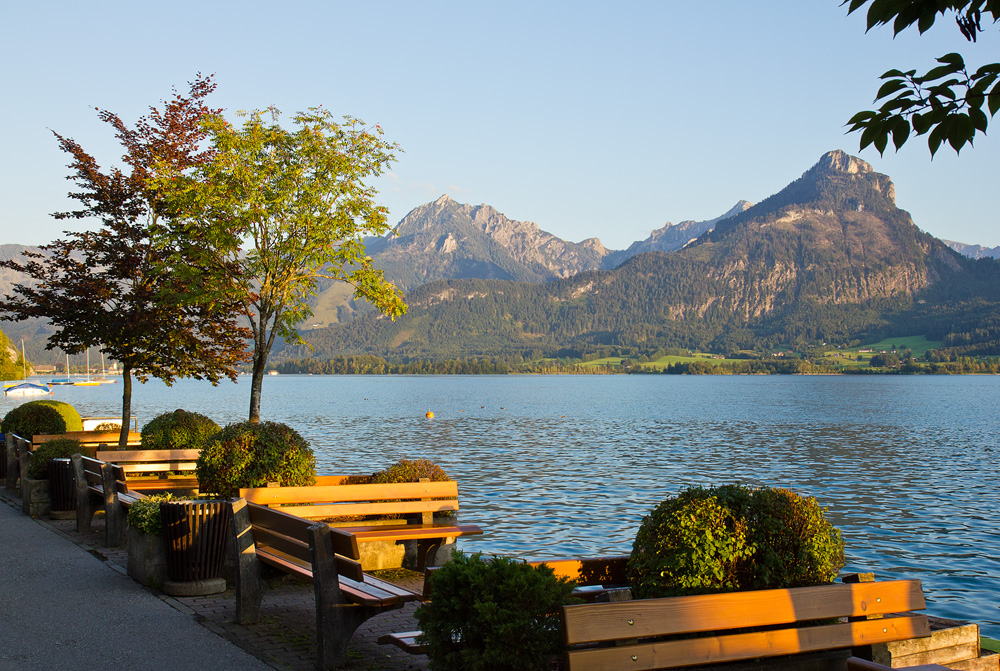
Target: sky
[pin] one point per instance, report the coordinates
(590, 119)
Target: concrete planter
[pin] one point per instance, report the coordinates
(380, 555)
(36, 501)
(147, 558)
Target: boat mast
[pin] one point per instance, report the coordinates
(24, 362)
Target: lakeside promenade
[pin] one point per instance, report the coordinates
(66, 602)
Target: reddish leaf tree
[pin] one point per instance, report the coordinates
(114, 287)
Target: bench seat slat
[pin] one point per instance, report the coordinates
(713, 612)
(123, 456)
(152, 484)
(733, 647)
(349, 493)
(405, 640)
(411, 531)
(323, 510)
(371, 594)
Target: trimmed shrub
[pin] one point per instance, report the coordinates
(178, 430)
(144, 514)
(42, 417)
(492, 615)
(403, 470)
(731, 538)
(60, 448)
(252, 455)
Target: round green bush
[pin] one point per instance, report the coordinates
(733, 537)
(144, 514)
(41, 417)
(252, 455)
(59, 448)
(178, 430)
(404, 470)
(492, 615)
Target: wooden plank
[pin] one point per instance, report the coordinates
(386, 586)
(156, 467)
(330, 480)
(858, 664)
(162, 484)
(122, 456)
(344, 544)
(710, 612)
(109, 438)
(370, 595)
(733, 647)
(411, 532)
(405, 640)
(349, 493)
(589, 570)
(320, 511)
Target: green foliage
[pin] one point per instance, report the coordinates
(275, 212)
(111, 285)
(492, 615)
(178, 430)
(12, 364)
(946, 103)
(144, 514)
(42, 417)
(252, 455)
(60, 448)
(733, 538)
(406, 470)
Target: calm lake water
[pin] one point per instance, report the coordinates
(568, 465)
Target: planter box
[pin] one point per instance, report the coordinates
(35, 499)
(380, 555)
(147, 558)
(955, 647)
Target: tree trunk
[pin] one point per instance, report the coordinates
(126, 406)
(256, 381)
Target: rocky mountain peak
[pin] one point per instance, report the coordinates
(840, 161)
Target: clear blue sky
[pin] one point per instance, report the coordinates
(590, 119)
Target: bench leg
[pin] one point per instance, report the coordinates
(249, 584)
(114, 512)
(84, 507)
(336, 617)
(13, 468)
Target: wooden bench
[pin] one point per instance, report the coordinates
(107, 483)
(345, 595)
(330, 502)
(684, 631)
(858, 664)
(598, 579)
(147, 470)
(98, 440)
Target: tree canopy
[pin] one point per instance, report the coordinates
(113, 287)
(275, 211)
(948, 103)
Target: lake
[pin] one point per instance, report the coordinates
(568, 465)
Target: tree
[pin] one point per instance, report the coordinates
(945, 103)
(112, 287)
(274, 212)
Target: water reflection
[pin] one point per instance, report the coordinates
(568, 465)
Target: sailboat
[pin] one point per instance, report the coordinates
(102, 379)
(88, 382)
(25, 388)
(63, 380)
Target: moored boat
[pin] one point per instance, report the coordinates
(26, 389)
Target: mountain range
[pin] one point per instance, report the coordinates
(828, 258)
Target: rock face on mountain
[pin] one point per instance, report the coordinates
(672, 237)
(446, 239)
(835, 236)
(827, 258)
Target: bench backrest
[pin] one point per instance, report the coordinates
(286, 537)
(714, 614)
(95, 482)
(349, 500)
(152, 461)
(99, 439)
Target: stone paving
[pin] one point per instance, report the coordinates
(285, 638)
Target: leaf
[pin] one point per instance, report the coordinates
(900, 132)
(993, 100)
(890, 87)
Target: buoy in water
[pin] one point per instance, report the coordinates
(429, 415)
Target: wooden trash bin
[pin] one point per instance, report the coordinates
(196, 534)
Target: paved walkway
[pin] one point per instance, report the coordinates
(66, 602)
